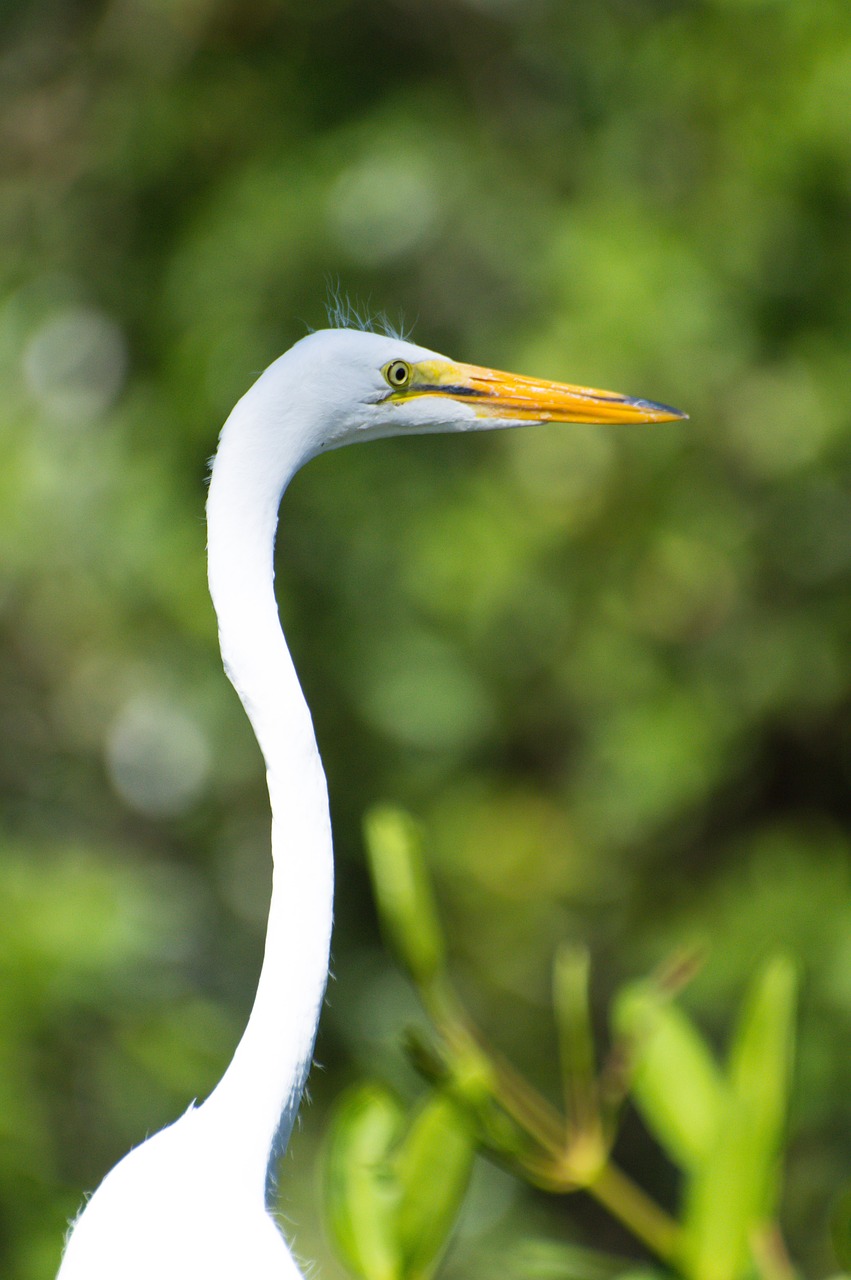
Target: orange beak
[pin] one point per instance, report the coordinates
(494, 394)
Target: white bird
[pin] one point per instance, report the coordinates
(191, 1203)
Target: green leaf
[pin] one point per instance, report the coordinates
(362, 1193)
(393, 1189)
(733, 1193)
(433, 1167)
(761, 1067)
(403, 892)
(676, 1083)
(720, 1211)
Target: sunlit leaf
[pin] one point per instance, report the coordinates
(761, 1064)
(676, 1082)
(732, 1192)
(393, 1186)
(403, 891)
(362, 1194)
(433, 1166)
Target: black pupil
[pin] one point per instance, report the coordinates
(399, 373)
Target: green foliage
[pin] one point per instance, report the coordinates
(394, 1186)
(733, 1192)
(724, 1128)
(404, 893)
(361, 1193)
(675, 1080)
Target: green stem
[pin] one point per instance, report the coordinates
(607, 1184)
(575, 1039)
(769, 1250)
(629, 1204)
(509, 1089)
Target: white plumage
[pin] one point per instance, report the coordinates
(190, 1202)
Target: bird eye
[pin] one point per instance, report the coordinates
(398, 373)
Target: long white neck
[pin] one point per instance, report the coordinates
(256, 1101)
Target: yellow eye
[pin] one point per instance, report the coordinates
(398, 373)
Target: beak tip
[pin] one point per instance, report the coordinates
(660, 412)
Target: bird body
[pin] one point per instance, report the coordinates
(190, 1203)
(175, 1206)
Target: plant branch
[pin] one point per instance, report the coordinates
(631, 1206)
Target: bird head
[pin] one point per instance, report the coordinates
(359, 385)
(339, 386)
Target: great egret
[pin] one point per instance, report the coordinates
(191, 1203)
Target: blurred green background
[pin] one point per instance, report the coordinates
(607, 668)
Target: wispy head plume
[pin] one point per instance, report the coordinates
(345, 312)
